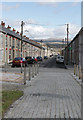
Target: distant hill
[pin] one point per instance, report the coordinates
(49, 40)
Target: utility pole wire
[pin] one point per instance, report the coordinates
(28, 32)
(35, 24)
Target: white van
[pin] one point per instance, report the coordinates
(60, 59)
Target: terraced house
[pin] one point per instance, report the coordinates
(10, 45)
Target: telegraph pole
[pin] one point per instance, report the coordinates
(47, 50)
(41, 48)
(21, 41)
(67, 41)
(67, 33)
(62, 43)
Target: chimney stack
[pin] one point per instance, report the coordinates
(24, 36)
(17, 32)
(8, 27)
(14, 30)
(2, 23)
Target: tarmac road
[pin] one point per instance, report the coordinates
(51, 63)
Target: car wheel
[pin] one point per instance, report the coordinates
(13, 66)
(26, 64)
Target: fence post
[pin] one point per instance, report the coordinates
(29, 72)
(5, 67)
(37, 67)
(74, 69)
(33, 70)
(21, 67)
(80, 72)
(77, 70)
(6, 62)
(24, 74)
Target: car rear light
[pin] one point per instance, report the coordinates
(35, 59)
(21, 61)
(13, 61)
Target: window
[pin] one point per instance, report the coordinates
(10, 42)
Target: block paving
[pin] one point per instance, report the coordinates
(52, 94)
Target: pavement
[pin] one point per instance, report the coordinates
(54, 93)
(11, 77)
(1, 64)
(71, 67)
(77, 79)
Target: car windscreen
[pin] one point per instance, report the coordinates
(58, 57)
(18, 58)
(62, 57)
(27, 57)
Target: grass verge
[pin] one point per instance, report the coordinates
(8, 97)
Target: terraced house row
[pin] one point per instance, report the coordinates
(73, 53)
(10, 45)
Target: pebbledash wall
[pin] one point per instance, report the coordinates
(75, 50)
(10, 45)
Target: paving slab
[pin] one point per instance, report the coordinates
(54, 93)
(12, 77)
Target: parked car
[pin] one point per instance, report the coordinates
(60, 59)
(45, 57)
(56, 56)
(35, 59)
(30, 60)
(39, 58)
(18, 60)
(51, 55)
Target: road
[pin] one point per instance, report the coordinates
(51, 63)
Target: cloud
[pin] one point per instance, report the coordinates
(73, 29)
(31, 21)
(53, 4)
(41, 32)
(8, 7)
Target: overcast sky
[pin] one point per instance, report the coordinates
(43, 19)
